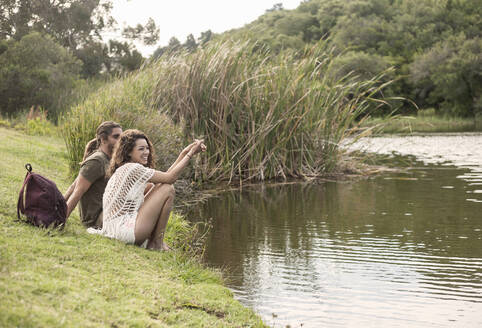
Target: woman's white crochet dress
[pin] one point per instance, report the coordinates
(123, 196)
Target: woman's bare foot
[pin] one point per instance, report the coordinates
(165, 247)
(153, 245)
(156, 247)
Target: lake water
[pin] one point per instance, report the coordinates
(403, 249)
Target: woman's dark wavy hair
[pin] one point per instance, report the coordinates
(124, 147)
(104, 130)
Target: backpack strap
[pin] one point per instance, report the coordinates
(22, 190)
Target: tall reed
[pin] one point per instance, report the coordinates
(262, 116)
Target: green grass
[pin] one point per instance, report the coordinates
(425, 122)
(51, 278)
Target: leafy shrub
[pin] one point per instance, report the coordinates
(4, 123)
(40, 127)
(34, 122)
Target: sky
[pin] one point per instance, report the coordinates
(180, 18)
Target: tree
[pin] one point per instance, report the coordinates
(311, 7)
(363, 33)
(36, 71)
(174, 44)
(276, 7)
(299, 23)
(123, 57)
(449, 76)
(76, 25)
(285, 42)
(190, 44)
(69, 22)
(360, 65)
(148, 34)
(158, 52)
(173, 47)
(205, 37)
(95, 58)
(328, 14)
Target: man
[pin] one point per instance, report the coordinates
(90, 184)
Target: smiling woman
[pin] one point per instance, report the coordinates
(138, 200)
(141, 152)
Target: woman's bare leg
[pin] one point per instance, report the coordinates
(153, 216)
(148, 189)
(156, 240)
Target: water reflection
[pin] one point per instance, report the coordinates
(403, 250)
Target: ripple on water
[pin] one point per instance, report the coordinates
(474, 200)
(431, 149)
(361, 271)
(369, 278)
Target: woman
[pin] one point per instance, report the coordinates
(138, 199)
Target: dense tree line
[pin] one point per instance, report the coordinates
(435, 45)
(47, 47)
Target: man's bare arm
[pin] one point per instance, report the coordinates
(69, 191)
(81, 186)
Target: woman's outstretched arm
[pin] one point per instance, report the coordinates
(175, 170)
(181, 155)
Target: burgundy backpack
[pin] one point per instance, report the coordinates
(41, 201)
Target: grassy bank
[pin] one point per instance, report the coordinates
(72, 279)
(425, 122)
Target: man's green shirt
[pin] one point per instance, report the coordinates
(93, 169)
